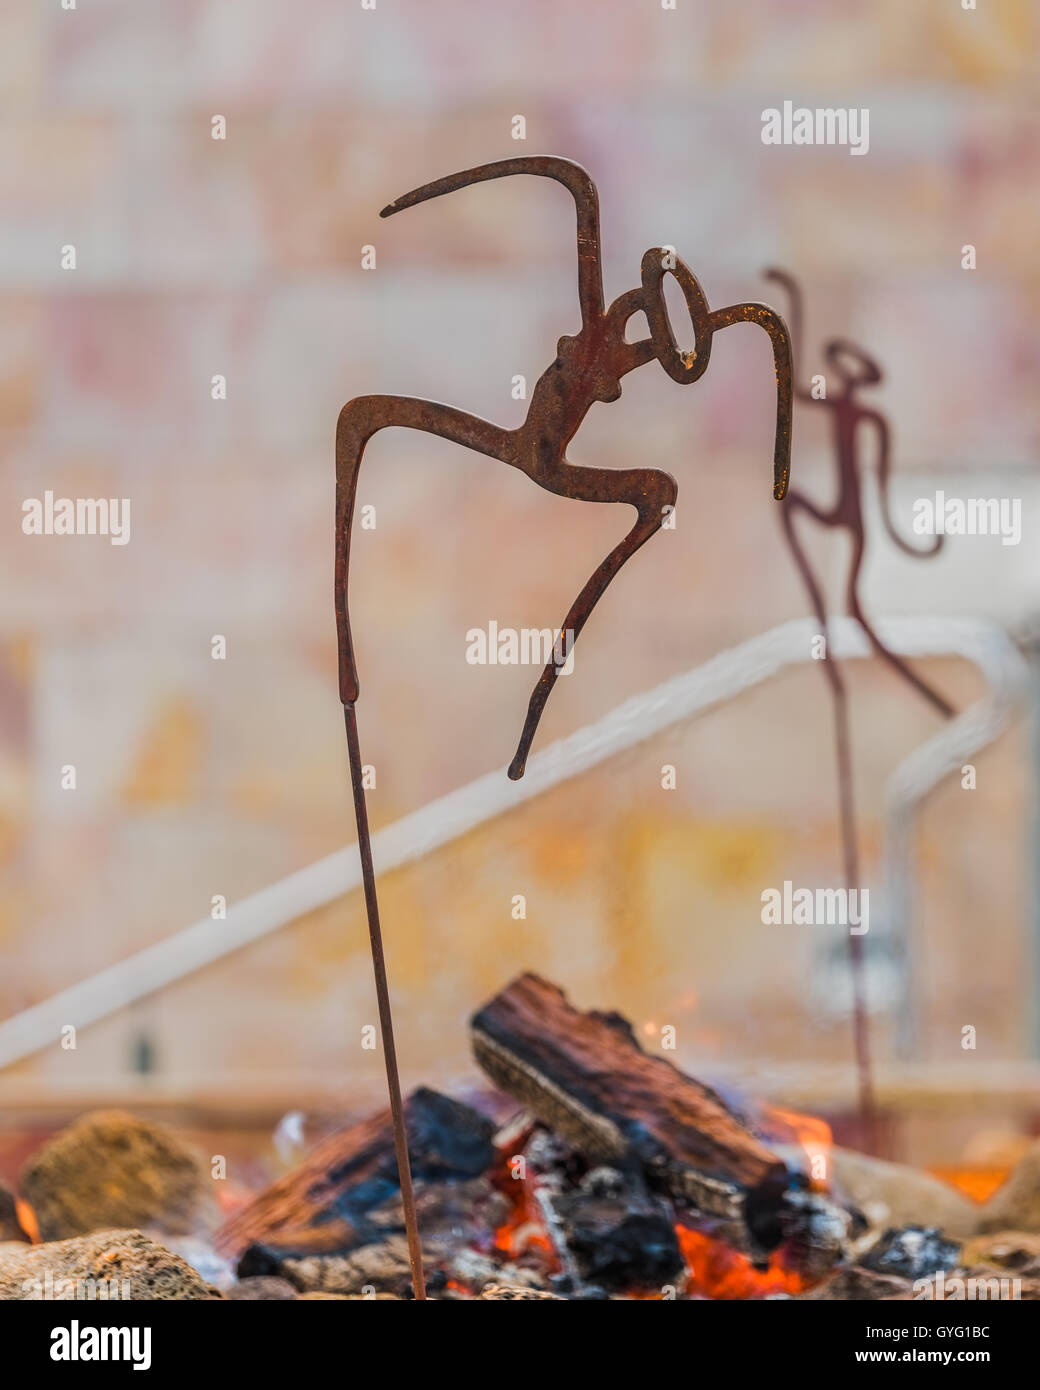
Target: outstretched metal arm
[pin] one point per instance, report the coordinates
(774, 325)
(577, 182)
(794, 319)
(884, 451)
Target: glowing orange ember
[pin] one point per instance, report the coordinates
(27, 1220)
(812, 1133)
(718, 1271)
(524, 1228)
(521, 1233)
(977, 1183)
(715, 1269)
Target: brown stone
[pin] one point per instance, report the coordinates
(261, 1288)
(516, 1291)
(893, 1194)
(989, 1284)
(112, 1170)
(117, 1264)
(1016, 1205)
(1006, 1249)
(853, 1284)
(383, 1266)
(1028, 1285)
(316, 1294)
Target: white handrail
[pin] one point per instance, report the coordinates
(445, 819)
(924, 768)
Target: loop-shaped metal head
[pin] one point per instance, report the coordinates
(855, 366)
(682, 367)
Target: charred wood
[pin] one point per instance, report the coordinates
(335, 1199)
(586, 1077)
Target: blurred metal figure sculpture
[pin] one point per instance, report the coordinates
(855, 368)
(588, 368)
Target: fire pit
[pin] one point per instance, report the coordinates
(593, 1171)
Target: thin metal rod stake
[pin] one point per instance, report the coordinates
(386, 1025)
(860, 1015)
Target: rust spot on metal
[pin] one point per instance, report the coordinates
(588, 368)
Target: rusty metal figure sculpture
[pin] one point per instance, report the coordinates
(588, 368)
(854, 369)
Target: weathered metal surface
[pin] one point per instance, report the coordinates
(588, 367)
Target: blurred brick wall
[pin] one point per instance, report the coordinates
(242, 257)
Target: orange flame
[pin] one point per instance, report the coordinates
(718, 1271)
(524, 1227)
(27, 1220)
(977, 1183)
(812, 1133)
(522, 1232)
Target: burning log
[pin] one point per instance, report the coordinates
(619, 1236)
(605, 1227)
(585, 1076)
(334, 1201)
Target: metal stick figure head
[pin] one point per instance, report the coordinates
(855, 366)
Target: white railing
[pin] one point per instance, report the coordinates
(449, 817)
